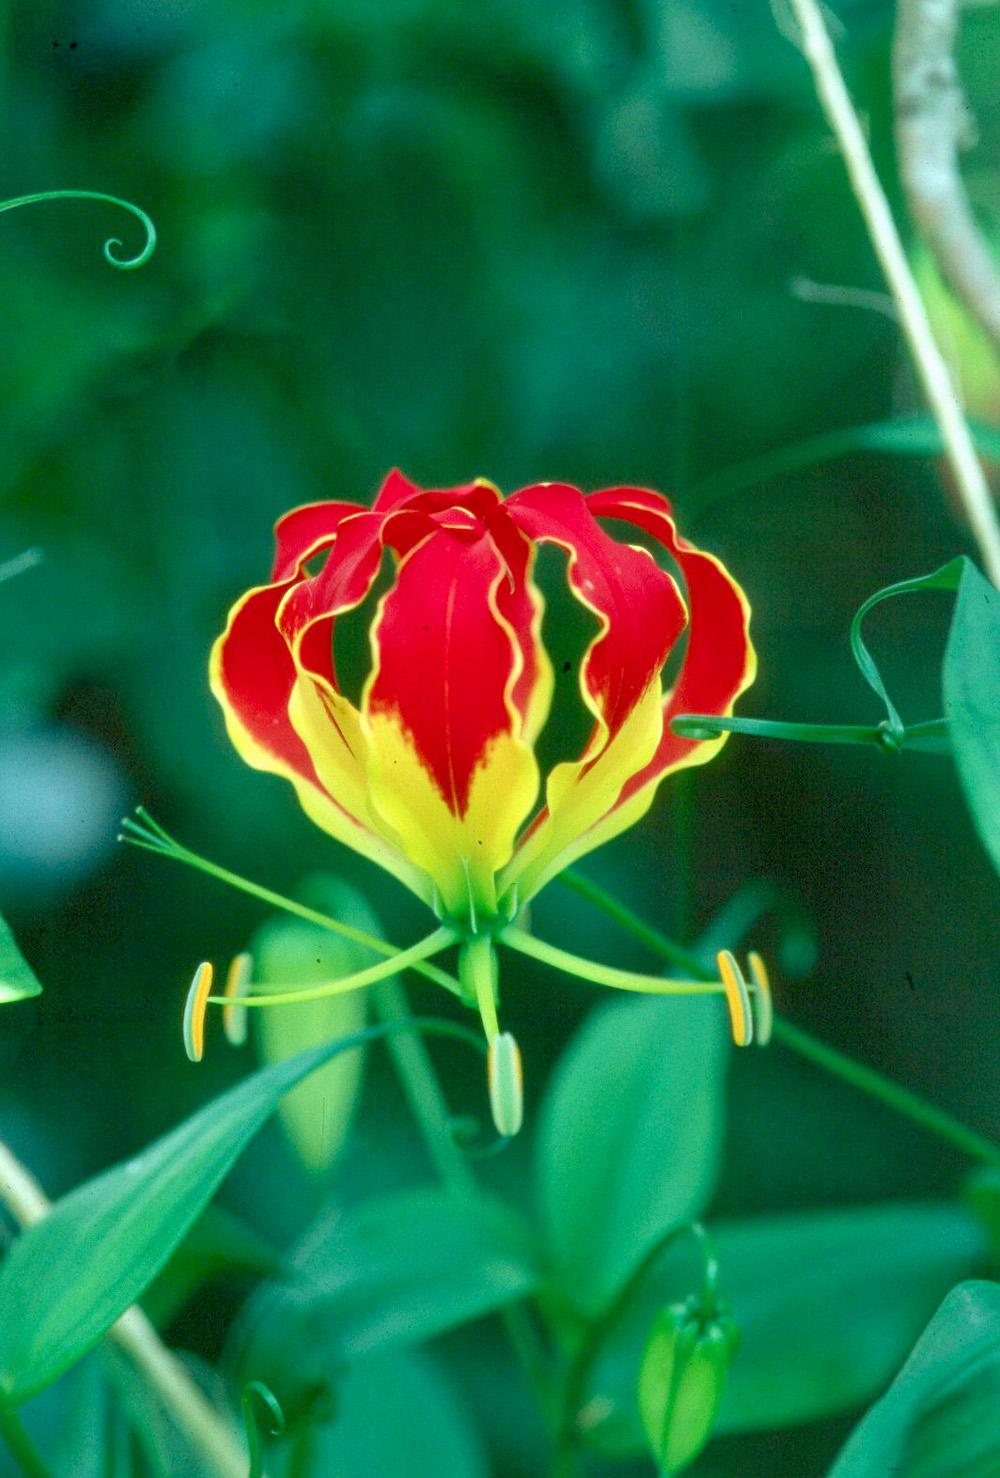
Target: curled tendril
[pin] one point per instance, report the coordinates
(124, 264)
(255, 1394)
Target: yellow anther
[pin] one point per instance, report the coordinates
(760, 1002)
(194, 1011)
(737, 998)
(234, 1016)
(506, 1082)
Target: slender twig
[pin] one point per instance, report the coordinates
(931, 368)
(933, 124)
(135, 1335)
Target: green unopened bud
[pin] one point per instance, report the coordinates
(682, 1377)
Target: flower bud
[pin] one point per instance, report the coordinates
(682, 1377)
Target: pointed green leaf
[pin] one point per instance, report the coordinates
(66, 1279)
(18, 981)
(971, 682)
(940, 1418)
(629, 1138)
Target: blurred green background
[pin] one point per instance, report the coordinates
(519, 241)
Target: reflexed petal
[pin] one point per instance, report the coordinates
(449, 770)
(521, 606)
(253, 677)
(640, 616)
(395, 489)
(720, 662)
(306, 531)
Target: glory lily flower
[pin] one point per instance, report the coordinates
(433, 774)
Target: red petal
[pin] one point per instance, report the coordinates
(252, 676)
(395, 489)
(641, 616)
(720, 662)
(342, 583)
(519, 603)
(637, 603)
(450, 772)
(444, 662)
(306, 531)
(255, 678)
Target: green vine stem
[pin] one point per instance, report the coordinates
(867, 1080)
(124, 264)
(931, 736)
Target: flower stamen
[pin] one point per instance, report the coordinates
(741, 1017)
(234, 1014)
(761, 1003)
(194, 1011)
(505, 1077)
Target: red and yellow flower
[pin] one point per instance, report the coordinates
(433, 774)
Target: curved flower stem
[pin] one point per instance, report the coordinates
(150, 837)
(570, 964)
(865, 1079)
(125, 264)
(423, 950)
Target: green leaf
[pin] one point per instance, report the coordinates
(18, 981)
(971, 683)
(827, 1302)
(946, 578)
(629, 1138)
(391, 1271)
(939, 1418)
(67, 1278)
(317, 1115)
(397, 1416)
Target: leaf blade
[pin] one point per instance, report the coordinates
(971, 687)
(630, 1137)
